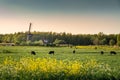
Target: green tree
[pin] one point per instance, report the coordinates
(1, 38)
(103, 41)
(118, 39)
(57, 42)
(112, 42)
(38, 43)
(79, 39)
(96, 41)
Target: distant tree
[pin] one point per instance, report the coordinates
(1, 38)
(112, 42)
(23, 44)
(100, 35)
(57, 41)
(38, 43)
(29, 43)
(103, 41)
(102, 38)
(7, 38)
(59, 38)
(118, 39)
(96, 41)
(19, 37)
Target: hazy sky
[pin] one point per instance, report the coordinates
(71, 16)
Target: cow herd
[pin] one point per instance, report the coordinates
(53, 52)
(34, 53)
(111, 52)
(50, 52)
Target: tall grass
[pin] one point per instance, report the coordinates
(52, 69)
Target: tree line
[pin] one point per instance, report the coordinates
(53, 38)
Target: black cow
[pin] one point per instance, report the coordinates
(51, 52)
(33, 53)
(113, 52)
(73, 51)
(102, 52)
(95, 48)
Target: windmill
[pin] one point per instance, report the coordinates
(29, 35)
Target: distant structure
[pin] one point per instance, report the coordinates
(29, 35)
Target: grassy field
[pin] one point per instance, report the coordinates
(64, 65)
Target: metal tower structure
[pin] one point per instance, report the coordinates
(29, 35)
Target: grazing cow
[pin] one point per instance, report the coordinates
(33, 53)
(95, 48)
(73, 51)
(102, 52)
(51, 52)
(113, 52)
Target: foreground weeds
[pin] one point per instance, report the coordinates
(52, 69)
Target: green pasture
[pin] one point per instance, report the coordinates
(17, 63)
(64, 53)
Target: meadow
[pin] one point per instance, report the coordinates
(16, 63)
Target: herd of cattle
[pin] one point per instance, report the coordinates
(34, 53)
(52, 52)
(111, 52)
